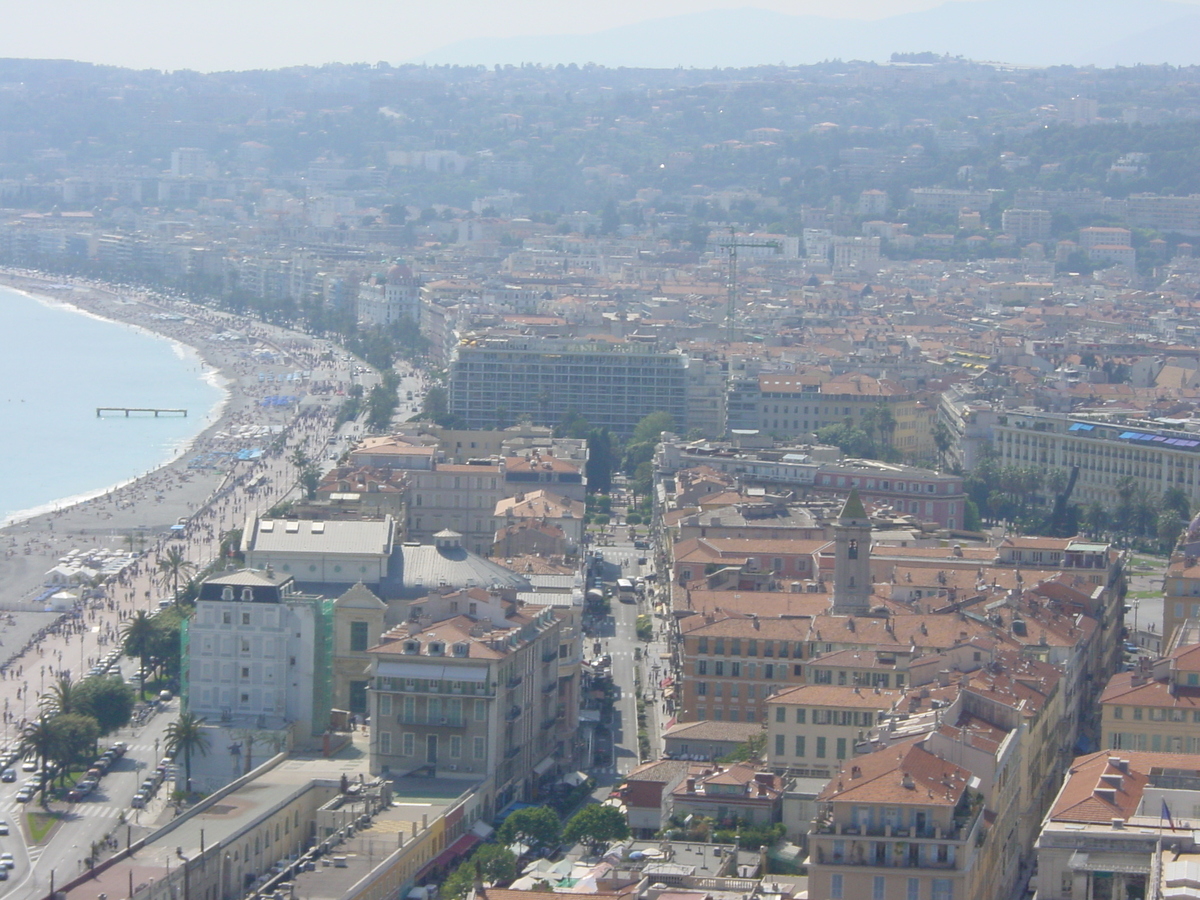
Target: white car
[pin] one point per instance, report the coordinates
(3, 827)
(30, 765)
(6, 860)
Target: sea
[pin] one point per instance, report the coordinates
(57, 366)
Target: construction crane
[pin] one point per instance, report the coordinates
(734, 245)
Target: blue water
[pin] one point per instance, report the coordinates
(57, 366)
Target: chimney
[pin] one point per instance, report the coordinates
(944, 678)
(691, 785)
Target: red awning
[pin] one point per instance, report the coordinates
(451, 854)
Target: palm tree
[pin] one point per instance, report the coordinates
(38, 740)
(172, 566)
(64, 693)
(138, 636)
(184, 735)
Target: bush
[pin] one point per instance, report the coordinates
(602, 520)
(633, 519)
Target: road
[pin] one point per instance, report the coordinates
(106, 812)
(622, 558)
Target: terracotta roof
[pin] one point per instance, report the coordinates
(904, 773)
(834, 695)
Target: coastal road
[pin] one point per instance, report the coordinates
(106, 812)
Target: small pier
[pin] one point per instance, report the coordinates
(129, 410)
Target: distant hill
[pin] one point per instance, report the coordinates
(1020, 32)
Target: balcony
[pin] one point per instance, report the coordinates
(433, 721)
(513, 714)
(548, 724)
(550, 687)
(515, 681)
(511, 752)
(888, 861)
(549, 656)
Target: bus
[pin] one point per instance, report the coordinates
(625, 591)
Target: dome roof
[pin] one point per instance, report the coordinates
(398, 272)
(1193, 531)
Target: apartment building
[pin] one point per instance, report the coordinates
(1181, 589)
(898, 823)
(1156, 708)
(1026, 225)
(321, 553)
(358, 623)
(812, 728)
(731, 664)
(1111, 820)
(1156, 459)
(947, 200)
(472, 695)
(613, 385)
(791, 405)
(259, 652)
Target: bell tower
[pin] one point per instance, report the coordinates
(852, 563)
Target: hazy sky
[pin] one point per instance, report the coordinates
(242, 34)
(212, 35)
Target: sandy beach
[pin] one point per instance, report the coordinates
(208, 476)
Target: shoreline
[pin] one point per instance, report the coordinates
(139, 513)
(212, 416)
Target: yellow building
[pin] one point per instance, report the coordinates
(811, 728)
(1156, 709)
(899, 822)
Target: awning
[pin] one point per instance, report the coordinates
(574, 779)
(475, 674)
(483, 829)
(453, 853)
(544, 766)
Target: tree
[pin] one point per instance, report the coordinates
(108, 700)
(37, 741)
(596, 826)
(138, 636)
(649, 430)
(493, 863)
(1169, 528)
(73, 740)
(943, 440)
(172, 566)
(63, 692)
(186, 735)
(537, 827)
(601, 461)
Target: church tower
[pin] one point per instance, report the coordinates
(852, 564)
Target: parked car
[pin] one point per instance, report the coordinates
(9, 775)
(3, 827)
(6, 860)
(138, 801)
(30, 765)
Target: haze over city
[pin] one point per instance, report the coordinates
(631, 451)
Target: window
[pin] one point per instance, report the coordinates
(801, 715)
(735, 669)
(385, 742)
(702, 645)
(943, 889)
(841, 748)
(779, 744)
(358, 636)
(1137, 713)
(800, 746)
(702, 667)
(701, 688)
(479, 750)
(877, 887)
(385, 704)
(245, 671)
(226, 618)
(820, 748)
(914, 889)
(719, 668)
(480, 710)
(835, 886)
(780, 714)
(245, 618)
(455, 746)
(408, 744)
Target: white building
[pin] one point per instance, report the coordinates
(321, 553)
(259, 654)
(384, 301)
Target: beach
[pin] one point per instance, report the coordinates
(240, 463)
